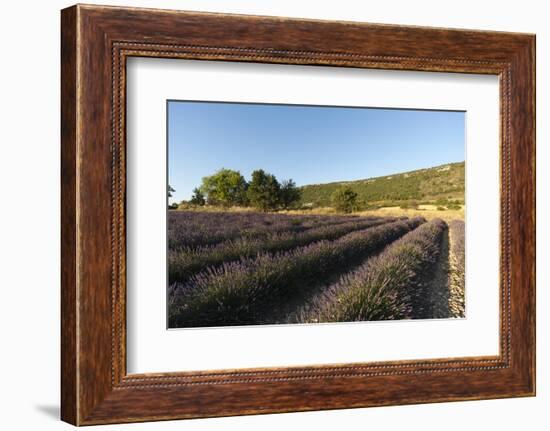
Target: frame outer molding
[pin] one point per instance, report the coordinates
(95, 42)
(69, 331)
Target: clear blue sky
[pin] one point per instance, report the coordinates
(306, 143)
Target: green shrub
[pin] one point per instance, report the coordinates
(344, 199)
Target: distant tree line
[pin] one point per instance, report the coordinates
(229, 188)
(264, 192)
(440, 186)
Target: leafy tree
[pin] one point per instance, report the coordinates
(264, 190)
(344, 199)
(170, 190)
(289, 194)
(226, 187)
(198, 197)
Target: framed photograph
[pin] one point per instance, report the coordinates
(264, 215)
(254, 250)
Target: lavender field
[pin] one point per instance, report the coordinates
(252, 268)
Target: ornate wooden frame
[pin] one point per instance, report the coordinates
(95, 42)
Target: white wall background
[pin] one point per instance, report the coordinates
(29, 216)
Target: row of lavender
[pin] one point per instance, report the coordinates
(185, 261)
(381, 288)
(196, 229)
(268, 278)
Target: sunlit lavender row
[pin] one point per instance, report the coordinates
(192, 229)
(262, 289)
(385, 286)
(186, 261)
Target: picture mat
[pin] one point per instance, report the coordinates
(153, 348)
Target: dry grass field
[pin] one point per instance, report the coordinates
(429, 212)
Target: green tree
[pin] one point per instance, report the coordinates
(170, 190)
(226, 187)
(289, 194)
(344, 199)
(264, 190)
(198, 197)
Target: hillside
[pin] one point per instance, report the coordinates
(439, 185)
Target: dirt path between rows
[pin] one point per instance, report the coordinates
(439, 291)
(431, 299)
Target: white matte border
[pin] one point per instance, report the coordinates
(153, 348)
